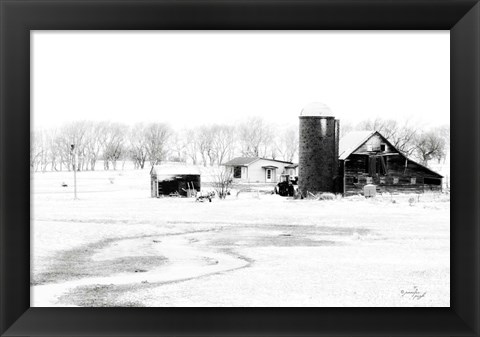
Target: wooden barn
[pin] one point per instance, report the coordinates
(366, 157)
(173, 180)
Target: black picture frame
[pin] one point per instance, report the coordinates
(18, 17)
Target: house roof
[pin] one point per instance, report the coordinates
(241, 161)
(245, 161)
(169, 170)
(352, 141)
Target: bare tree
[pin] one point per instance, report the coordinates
(430, 145)
(95, 142)
(37, 148)
(255, 136)
(61, 141)
(288, 143)
(138, 145)
(222, 181)
(401, 135)
(191, 146)
(345, 128)
(77, 133)
(213, 144)
(204, 139)
(444, 132)
(157, 141)
(223, 142)
(53, 151)
(114, 145)
(178, 147)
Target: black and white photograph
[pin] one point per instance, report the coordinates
(240, 169)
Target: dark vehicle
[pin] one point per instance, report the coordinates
(287, 187)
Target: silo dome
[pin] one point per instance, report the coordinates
(316, 109)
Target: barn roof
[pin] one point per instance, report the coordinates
(245, 161)
(174, 170)
(352, 141)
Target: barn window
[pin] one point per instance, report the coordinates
(395, 180)
(237, 172)
(413, 181)
(383, 147)
(433, 181)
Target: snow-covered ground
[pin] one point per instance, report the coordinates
(116, 246)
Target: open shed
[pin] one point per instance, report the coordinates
(173, 180)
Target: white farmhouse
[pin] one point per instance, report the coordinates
(258, 170)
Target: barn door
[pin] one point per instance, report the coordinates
(376, 165)
(372, 166)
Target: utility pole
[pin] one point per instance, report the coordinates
(73, 151)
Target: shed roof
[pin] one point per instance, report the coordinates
(174, 170)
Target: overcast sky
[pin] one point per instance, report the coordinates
(192, 78)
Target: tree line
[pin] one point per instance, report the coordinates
(148, 144)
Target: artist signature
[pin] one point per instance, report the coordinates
(414, 294)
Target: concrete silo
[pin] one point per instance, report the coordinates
(318, 150)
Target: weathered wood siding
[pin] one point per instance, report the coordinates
(378, 163)
(374, 145)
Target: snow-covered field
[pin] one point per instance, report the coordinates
(116, 246)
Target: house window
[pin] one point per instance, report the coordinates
(383, 147)
(269, 174)
(395, 180)
(237, 172)
(413, 181)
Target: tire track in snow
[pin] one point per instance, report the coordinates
(180, 262)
